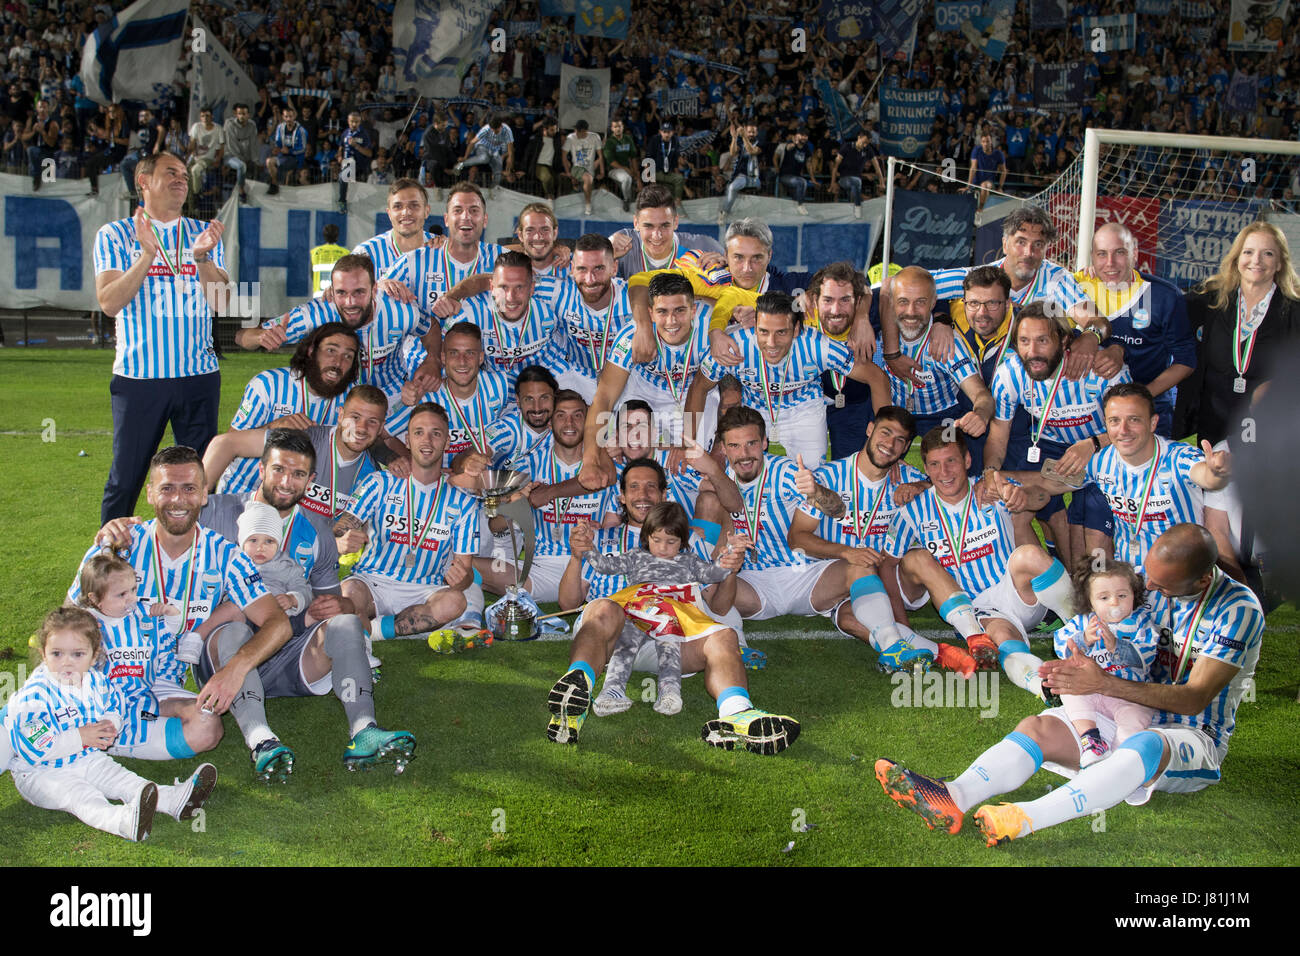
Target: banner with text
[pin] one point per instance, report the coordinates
(1058, 86)
(932, 230)
(906, 118)
(1118, 32)
(949, 16)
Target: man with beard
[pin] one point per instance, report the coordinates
(1026, 234)
(158, 274)
(516, 323)
(558, 500)
(343, 454)
(515, 435)
(932, 392)
(839, 304)
(190, 569)
(408, 581)
(871, 497)
(309, 391)
(380, 322)
(1066, 422)
(408, 209)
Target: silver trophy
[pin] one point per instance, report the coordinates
(497, 489)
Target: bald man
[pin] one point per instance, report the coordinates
(1148, 315)
(1211, 629)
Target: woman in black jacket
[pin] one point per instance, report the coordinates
(1243, 317)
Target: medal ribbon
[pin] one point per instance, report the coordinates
(920, 356)
(175, 266)
(765, 376)
(1198, 612)
(754, 521)
(947, 533)
(645, 260)
(862, 530)
(598, 363)
(498, 321)
(479, 441)
(680, 398)
(560, 509)
(160, 581)
(413, 543)
(1036, 429)
(334, 472)
(1243, 352)
(446, 267)
(1031, 291)
(287, 530)
(1146, 494)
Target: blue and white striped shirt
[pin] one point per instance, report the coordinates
(1231, 631)
(552, 523)
(580, 331)
(511, 347)
(382, 251)
(1136, 640)
(166, 330)
(1076, 412)
(1052, 282)
(795, 381)
(270, 395)
(671, 361)
(131, 645)
(610, 541)
(512, 440)
(1175, 498)
(775, 513)
(941, 381)
(45, 710)
(985, 546)
(873, 513)
(221, 573)
(380, 337)
(469, 419)
(446, 516)
(431, 273)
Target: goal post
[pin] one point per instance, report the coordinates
(1208, 147)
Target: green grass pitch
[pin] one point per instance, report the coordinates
(488, 788)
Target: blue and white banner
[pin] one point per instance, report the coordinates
(1257, 26)
(949, 16)
(1155, 8)
(707, 64)
(1195, 10)
(584, 94)
(1243, 93)
(1200, 234)
(991, 32)
(133, 56)
(1050, 14)
(1058, 86)
(906, 118)
(843, 123)
(218, 81)
(603, 18)
(932, 230)
(847, 20)
(1119, 32)
(434, 43)
(895, 26)
(676, 103)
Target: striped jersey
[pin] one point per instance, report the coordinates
(794, 381)
(1136, 639)
(1052, 282)
(380, 336)
(682, 488)
(985, 544)
(512, 440)
(768, 520)
(673, 366)
(333, 489)
(511, 347)
(869, 506)
(431, 273)
(1173, 497)
(469, 418)
(218, 572)
(382, 250)
(270, 395)
(610, 541)
(1075, 412)
(166, 330)
(941, 381)
(308, 537)
(431, 522)
(44, 710)
(131, 646)
(552, 523)
(583, 334)
(1230, 629)
(295, 139)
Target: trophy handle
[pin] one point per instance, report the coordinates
(521, 513)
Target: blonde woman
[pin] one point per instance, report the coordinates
(1242, 316)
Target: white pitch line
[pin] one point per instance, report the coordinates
(783, 636)
(61, 431)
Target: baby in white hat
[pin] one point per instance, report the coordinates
(261, 532)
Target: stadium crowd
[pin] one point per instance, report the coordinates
(1175, 79)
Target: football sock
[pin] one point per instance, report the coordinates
(586, 669)
(732, 700)
(1021, 666)
(1054, 590)
(916, 640)
(1100, 786)
(958, 612)
(871, 607)
(249, 705)
(1003, 767)
(474, 602)
(353, 685)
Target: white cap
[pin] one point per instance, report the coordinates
(260, 518)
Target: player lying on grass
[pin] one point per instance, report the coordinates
(669, 600)
(1212, 629)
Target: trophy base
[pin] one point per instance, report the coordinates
(514, 623)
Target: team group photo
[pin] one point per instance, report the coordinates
(544, 433)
